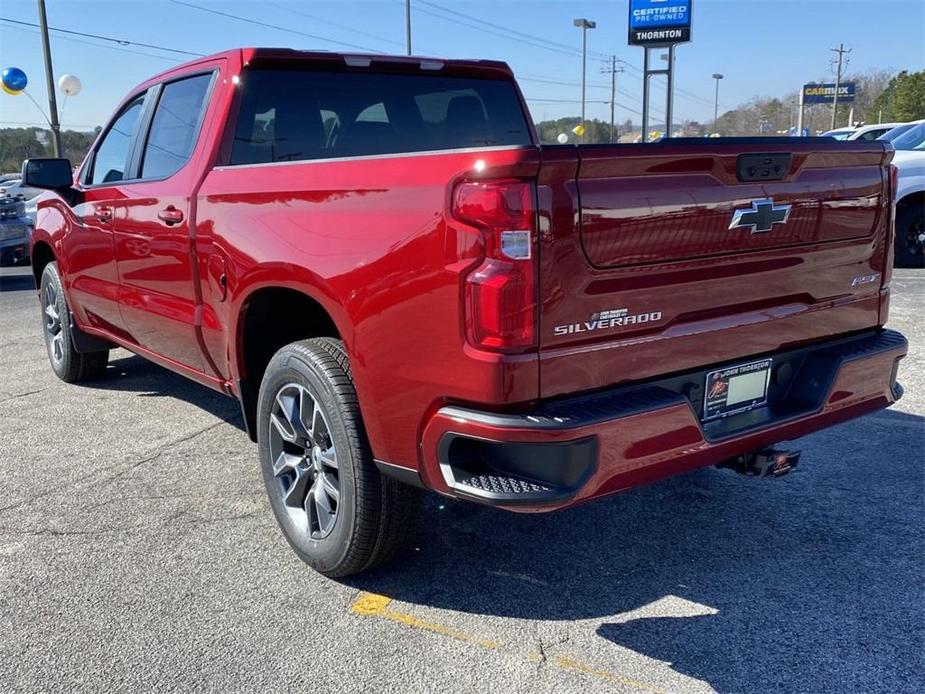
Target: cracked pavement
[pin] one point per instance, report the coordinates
(137, 552)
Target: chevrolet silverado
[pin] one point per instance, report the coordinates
(403, 289)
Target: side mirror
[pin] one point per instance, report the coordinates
(50, 174)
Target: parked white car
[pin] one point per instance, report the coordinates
(909, 159)
(839, 133)
(872, 132)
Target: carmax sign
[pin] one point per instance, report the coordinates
(825, 93)
(659, 22)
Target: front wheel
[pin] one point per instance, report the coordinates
(335, 508)
(910, 236)
(68, 364)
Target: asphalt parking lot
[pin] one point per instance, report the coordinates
(137, 552)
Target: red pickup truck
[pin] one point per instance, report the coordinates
(404, 289)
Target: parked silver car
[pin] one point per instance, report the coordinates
(15, 222)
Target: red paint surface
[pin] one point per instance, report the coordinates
(372, 241)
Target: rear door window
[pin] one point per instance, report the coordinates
(111, 158)
(175, 126)
(293, 115)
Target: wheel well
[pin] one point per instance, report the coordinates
(41, 256)
(916, 198)
(272, 318)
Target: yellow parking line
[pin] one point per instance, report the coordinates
(567, 663)
(373, 605)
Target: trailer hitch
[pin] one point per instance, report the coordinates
(765, 462)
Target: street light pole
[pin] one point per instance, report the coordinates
(50, 81)
(408, 27)
(584, 25)
(717, 76)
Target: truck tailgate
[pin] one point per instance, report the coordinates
(646, 269)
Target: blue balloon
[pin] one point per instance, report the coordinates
(14, 79)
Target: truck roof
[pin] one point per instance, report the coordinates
(358, 60)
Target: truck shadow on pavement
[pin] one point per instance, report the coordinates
(808, 583)
(135, 374)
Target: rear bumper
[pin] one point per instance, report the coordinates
(573, 450)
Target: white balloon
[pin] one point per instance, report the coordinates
(69, 84)
(562, 139)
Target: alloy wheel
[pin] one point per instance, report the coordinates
(54, 330)
(304, 460)
(915, 237)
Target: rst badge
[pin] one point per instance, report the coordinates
(607, 320)
(760, 217)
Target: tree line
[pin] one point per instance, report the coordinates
(881, 97)
(17, 144)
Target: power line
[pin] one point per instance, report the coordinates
(628, 95)
(505, 34)
(336, 24)
(690, 96)
(121, 42)
(274, 26)
(538, 39)
(563, 101)
(96, 45)
(536, 42)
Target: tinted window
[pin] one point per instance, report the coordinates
(891, 135)
(174, 127)
(871, 135)
(913, 138)
(290, 115)
(111, 158)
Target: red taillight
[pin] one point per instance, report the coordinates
(501, 291)
(889, 251)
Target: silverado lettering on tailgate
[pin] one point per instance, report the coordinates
(605, 320)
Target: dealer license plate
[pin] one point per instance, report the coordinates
(736, 389)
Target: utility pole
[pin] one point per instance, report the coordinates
(584, 25)
(717, 76)
(408, 27)
(50, 81)
(613, 70)
(841, 51)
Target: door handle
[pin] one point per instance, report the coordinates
(104, 214)
(170, 215)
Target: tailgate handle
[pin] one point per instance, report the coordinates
(762, 167)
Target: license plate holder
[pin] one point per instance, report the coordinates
(736, 389)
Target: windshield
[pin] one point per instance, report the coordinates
(891, 135)
(838, 134)
(912, 139)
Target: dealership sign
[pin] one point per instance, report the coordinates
(825, 93)
(659, 22)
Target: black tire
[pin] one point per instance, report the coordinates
(68, 364)
(910, 229)
(373, 518)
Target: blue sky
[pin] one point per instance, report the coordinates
(762, 47)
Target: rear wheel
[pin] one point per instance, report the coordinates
(335, 508)
(67, 363)
(910, 236)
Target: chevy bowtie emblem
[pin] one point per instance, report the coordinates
(760, 217)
